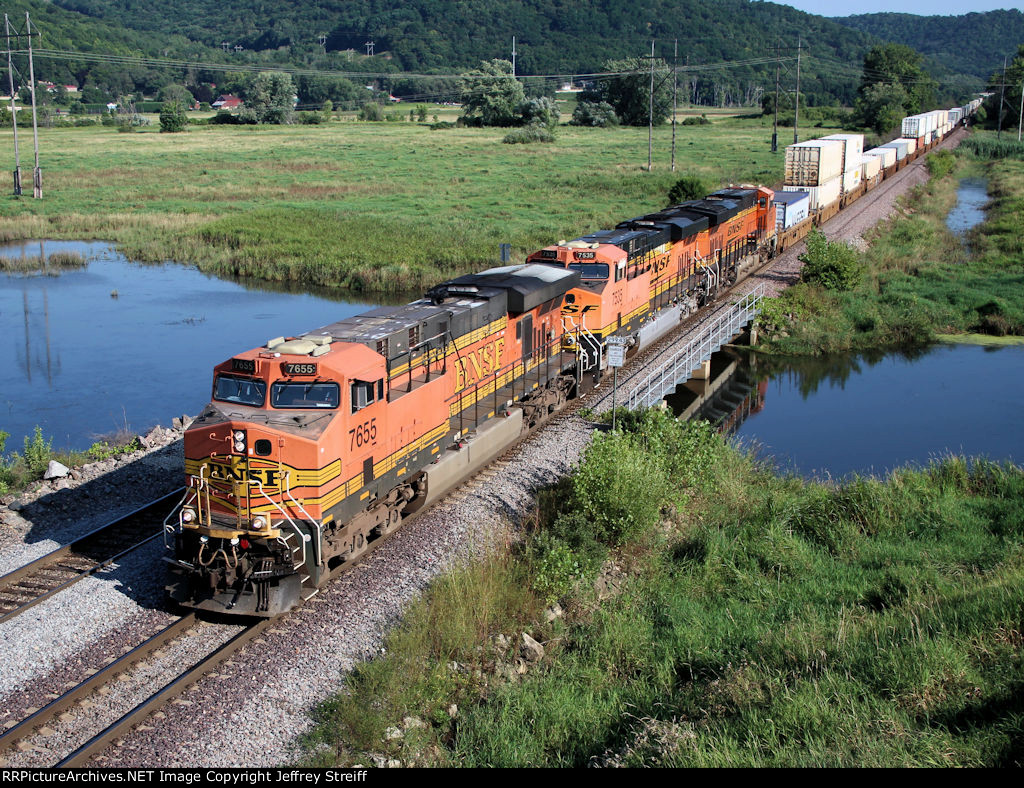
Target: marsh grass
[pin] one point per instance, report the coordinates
(378, 207)
(53, 264)
(775, 622)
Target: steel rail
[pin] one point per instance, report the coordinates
(35, 582)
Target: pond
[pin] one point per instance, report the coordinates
(833, 417)
(118, 345)
(969, 211)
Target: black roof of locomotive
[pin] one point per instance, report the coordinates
(717, 211)
(522, 286)
(744, 198)
(678, 224)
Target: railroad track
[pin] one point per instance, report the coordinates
(36, 721)
(54, 572)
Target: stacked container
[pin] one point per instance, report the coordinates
(816, 166)
(853, 152)
(819, 196)
(887, 156)
(870, 168)
(791, 207)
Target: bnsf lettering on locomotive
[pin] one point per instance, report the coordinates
(268, 477)
(574, 309)
(476, 365)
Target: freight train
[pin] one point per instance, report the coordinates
(315, 445)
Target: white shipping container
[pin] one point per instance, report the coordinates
(851, 180)
(791, 208)
(912, 126)
(887, 155)
(900, 146)
(911, 144)
(870, 167)
(814, 162)
(954, 115)
(853, 149)
(820, 196)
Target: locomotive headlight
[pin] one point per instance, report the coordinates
(259, 523)
(239, 446)
(239, 441)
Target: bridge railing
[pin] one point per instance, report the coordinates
(660, 382)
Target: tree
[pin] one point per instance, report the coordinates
(896, 64)
(269, 98)
(178, 93)
(629, 93)
(491, 96)
(1010, 95)
(172, 117)
(541, 111)
(689, 187)
(882, 106)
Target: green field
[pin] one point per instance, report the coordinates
(367, 206)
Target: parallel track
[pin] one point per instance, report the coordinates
(54, 572)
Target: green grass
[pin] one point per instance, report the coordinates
(767, 622)
(374, 206)
(921, 281)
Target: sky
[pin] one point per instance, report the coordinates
(926, 7)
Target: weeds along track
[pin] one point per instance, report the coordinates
(54, 572)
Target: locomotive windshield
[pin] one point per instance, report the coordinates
(304, 395)
(590, 270)
(244, 391)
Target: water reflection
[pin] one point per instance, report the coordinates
(80, 363)
(832, 417)
(969, 211)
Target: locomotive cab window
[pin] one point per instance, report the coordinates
(366, 392)
(244, 391)
(304, 395)
(590, 270)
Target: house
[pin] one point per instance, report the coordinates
(227, 101)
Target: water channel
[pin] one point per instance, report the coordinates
(115, 344)
(969, 211)
(828, 418)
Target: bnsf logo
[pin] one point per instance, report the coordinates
(477, 364)
(577, 309)
(235, 471)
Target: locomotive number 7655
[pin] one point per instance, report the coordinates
(363, 434)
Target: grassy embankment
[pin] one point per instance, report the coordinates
(919, 283)
(369, 206)
(756, 620)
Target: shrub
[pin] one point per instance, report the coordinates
(38, 452)
(223, 117)
(371, 112)
(311, 118)
(940, 163)
(695, 121)
(594, 113)
(689, 187)
(529, 134)
(172, 117)
(831, 265)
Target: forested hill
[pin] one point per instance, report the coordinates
(970, 44)
(552, 36)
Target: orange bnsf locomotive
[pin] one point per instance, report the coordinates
(314, 446)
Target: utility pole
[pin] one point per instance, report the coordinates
(775, 126)
(369, 48)
(650, 116)
(1020, 116)
(1002, 91)
(513, 56)
(14, 113)
(322, 38)
(675, 85)
(796, 117)
(37, 174)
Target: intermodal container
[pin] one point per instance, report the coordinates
(814, 162)
(901, 146)
(851, 180)
(870, 167)
(887, 155)
(820, 196)
(791, 208)
(853, 149)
